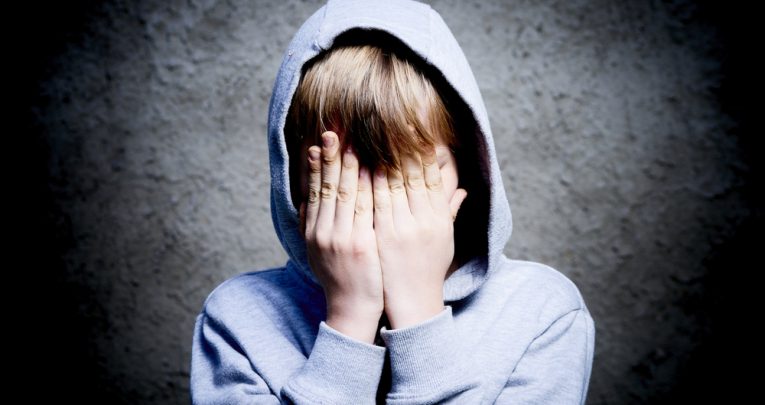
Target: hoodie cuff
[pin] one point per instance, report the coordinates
(340, 369)
(426, 358)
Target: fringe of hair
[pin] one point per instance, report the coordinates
(374, 99)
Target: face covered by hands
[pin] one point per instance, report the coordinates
(405, 228)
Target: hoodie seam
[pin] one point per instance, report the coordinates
(551, 324)
(317, 34)
(588, 357)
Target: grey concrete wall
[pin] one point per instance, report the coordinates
(625, 155)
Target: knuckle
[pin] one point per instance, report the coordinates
(359, 248)
(381, 205)
(327, 190)
(435, 185)
(313, 195)
(428, 161)
(322, 240)
(396, 188)
(414, 181)
(362, 188)
(360, 209)
(337, 246)
(343, 194)
(328, 159)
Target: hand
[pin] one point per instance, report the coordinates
(414, 227)
(342, 248)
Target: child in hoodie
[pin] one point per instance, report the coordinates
(388, 162)
(378, 139)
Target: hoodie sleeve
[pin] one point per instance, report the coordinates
(339, 369)
(428, 363)
(220, 372)
(556, 366)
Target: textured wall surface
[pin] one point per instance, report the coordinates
(623, 148)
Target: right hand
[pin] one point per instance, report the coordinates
(341, 243)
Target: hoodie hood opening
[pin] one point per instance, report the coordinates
(415, 30)
(469, 150)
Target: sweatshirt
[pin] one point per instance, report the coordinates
(511, 331)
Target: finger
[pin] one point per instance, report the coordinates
(456, 202)
(330, 177)
(433, 182)
(398, 201)
(314, 188)
(416, 193)
(383, 216)
(346, 192)
(363, 218)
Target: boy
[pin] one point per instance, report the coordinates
(397, 289)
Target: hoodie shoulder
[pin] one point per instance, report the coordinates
(241, 290)
(279, 294)
(541, 287)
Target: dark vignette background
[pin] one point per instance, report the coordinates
(143, 181)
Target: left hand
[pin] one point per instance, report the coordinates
(413, 221)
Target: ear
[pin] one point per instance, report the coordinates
(459, 196)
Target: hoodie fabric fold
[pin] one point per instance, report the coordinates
(511, 331)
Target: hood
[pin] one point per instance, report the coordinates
(423, 30)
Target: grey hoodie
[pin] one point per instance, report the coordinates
(512, 331)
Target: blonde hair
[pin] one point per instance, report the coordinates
(369, 95)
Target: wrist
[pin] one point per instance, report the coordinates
(403, 313)
(357, 323)
(363, 330)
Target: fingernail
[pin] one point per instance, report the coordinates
(363, 172)
(349, 149)
(379, 173)
(329, 140)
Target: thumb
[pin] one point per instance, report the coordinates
(459, 196)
